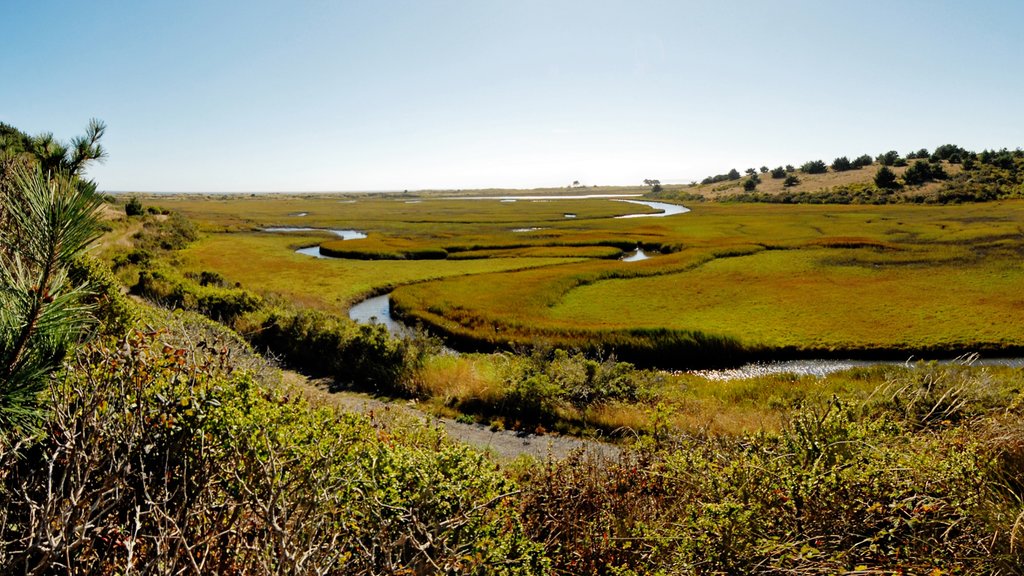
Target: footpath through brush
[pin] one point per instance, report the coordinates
(504, 444)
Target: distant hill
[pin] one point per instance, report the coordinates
(950, 174)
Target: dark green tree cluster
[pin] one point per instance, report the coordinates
(733, 174)
(861, 161)
(951, 153)
(814, 167)
(841, 164)
(133, 207)
(891, 158)
(922, 171)
(885, 178)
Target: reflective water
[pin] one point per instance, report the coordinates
(544, 197)
(343, 234)
(822, 368)
(666, 209)
(636, 256)
(311, 251)
(377, 310)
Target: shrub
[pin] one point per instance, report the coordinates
(886, 178)
(834, 491)
(888, 158)
(790, 181)
(842, 164)
(133, 207)
(861, 161)
(778, 172)
(365, 356)
(158, 464)
(814, 167)
(948, 152)
(921, 171)
(749, 184)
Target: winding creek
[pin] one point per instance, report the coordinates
(378, 308)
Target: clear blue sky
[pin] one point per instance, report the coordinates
(388, 95)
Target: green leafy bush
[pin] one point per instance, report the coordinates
(155, 460)
(365, 356)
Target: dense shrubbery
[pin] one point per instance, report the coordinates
(539, 382)
(842, 488)
(922, 171)
(363, 356)
(154, 460)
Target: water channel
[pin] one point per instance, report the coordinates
(378, 309)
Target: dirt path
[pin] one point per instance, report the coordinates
(503, 444)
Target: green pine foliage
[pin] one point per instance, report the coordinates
(49, 222)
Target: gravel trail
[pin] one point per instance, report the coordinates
(503, 444)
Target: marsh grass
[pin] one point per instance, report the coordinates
(730, 282)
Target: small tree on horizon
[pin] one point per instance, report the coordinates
(841, 164)
(861, 161)
(814, 167)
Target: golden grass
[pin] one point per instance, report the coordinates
(817, 182)
(268, 263)
(451, 379)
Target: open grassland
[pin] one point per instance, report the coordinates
(769, 280)
(726, 281)
(268, 263)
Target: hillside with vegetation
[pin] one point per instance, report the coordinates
(949, 174)
(143, 431)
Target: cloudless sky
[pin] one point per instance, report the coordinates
(257, 95)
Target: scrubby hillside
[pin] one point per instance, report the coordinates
(949, 174)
